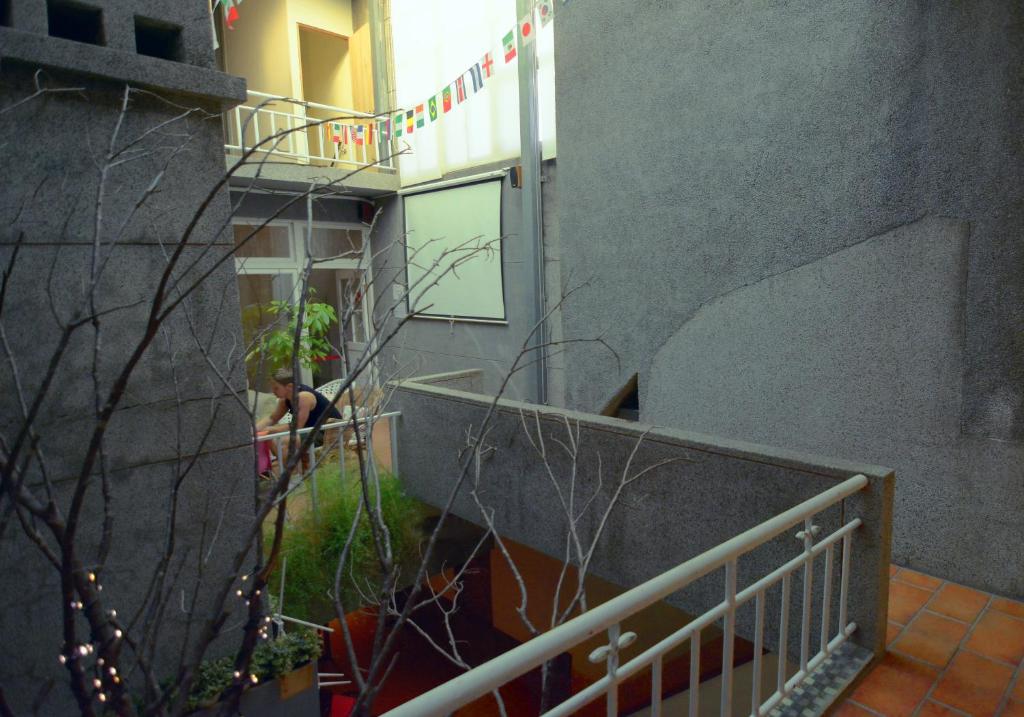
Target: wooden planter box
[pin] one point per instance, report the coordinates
(292, 695)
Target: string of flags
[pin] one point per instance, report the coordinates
(230, 11)
(456, 92)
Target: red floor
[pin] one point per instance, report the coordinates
(952, 651)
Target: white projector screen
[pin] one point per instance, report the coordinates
(463, 226)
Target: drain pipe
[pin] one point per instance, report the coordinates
(532, 231)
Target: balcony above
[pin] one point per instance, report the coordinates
(293, 142)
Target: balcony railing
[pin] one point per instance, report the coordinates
(609, 616)
(335, 142)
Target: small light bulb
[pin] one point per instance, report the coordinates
(62, 659)
(254, 679)
(257, 593)
(238, 593)
(103, 697)
(100, 662)
(237, 674)
(99, 588)
(113, 670)
(83, 650)
(89, 648)
(97, 683)
(117, 680)
(113, 613)
(118, 633)
(244, 578)
(92, 577)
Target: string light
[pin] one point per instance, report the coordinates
(238, 593)
(83, 650)
(103, 697)
(244, 578)
(237, 674)
(113, 670)
(97, 683)
(62, 659)
(254, 678)
(100, 662)
(118, 633)
(113, 613)
(92, 577)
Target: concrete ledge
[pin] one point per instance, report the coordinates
(122, 67)
(697, 491)
(286, 174)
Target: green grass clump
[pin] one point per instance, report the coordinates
(314, 540)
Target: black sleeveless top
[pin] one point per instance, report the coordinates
(322, 404)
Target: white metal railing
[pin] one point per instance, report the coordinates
(265, 116)
(608, 616)
(337, 428)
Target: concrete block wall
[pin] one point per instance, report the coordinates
(811, 239)
(179, 430)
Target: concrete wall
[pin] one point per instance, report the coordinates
(433, 346)
(49, 178)
(812, 238)
(713, 490)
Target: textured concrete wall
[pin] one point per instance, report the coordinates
(671, 514)
(427, 346)
(765, 137)
(50, 159)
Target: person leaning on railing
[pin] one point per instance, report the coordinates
(312, 405)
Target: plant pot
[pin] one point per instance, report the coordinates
(293, 695)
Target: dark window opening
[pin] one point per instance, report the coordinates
(74, 21)
(5, 13)
(158, 39)
(626, 402)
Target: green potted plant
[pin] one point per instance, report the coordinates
(285, 670)
(274, 348)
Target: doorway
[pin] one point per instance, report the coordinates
(270, 267)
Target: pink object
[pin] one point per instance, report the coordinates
(262, 455)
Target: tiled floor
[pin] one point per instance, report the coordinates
(952, 651)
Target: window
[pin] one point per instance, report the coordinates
(158, 39)
(75, 21)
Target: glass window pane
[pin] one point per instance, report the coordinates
(337, 243)
(255, 292)
(269, 242)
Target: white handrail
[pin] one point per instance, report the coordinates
(338, 423)
(313, 105)
(493, 674)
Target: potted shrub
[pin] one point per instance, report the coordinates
(285, 668)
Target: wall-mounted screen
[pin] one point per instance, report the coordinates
(461, 227)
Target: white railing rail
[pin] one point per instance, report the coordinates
(608, 617)
(265, 116)
(338, 428)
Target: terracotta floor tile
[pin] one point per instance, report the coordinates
(920, 580)
(1013, 709)
(893, 570)
(849, 709)
(1010, 607)
(931, 638)
(973, 684)
(958, 601)
(891, 631)
(904, 601)
(999, 636)
(931, 709)
(895, 686)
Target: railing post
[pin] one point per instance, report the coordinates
(656, 687)
(783, 634)
(695, 673)
(805, 627)
(755, 696)
(612, 695)
(826, 607)
(728, 636)
(844, 585)
(393, 435)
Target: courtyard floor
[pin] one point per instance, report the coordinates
(952, 650)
